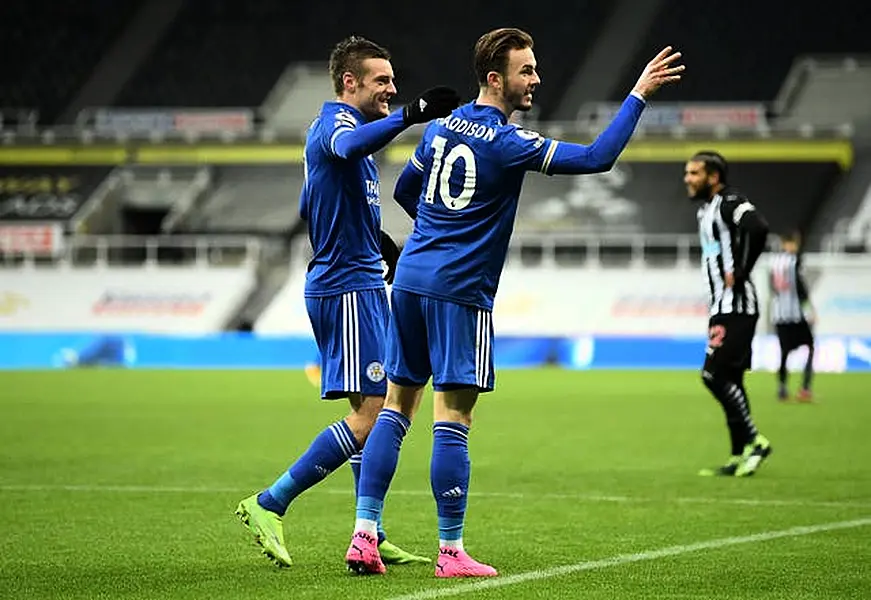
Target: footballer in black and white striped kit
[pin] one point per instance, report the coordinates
(732, 235)
(791, 312)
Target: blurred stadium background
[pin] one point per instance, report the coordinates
(150, 166)
(150, 169)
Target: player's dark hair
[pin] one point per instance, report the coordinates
(348, 56)
(792, 236)
(714, 163)
(492, 48)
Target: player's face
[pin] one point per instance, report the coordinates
(521, 79)
(697, 181)
(372, 93)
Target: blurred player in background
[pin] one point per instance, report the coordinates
(466, 174)
(344, 290)
(733, 235)
(791, 312)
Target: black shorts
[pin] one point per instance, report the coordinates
(730, 343)
(794, 335)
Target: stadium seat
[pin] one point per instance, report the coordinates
(50, 48)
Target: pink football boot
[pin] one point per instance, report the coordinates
(456, 563)
(363, 557)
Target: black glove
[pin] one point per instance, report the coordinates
(390, 256)
(434, 103)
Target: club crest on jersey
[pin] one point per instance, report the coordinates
(375, 372)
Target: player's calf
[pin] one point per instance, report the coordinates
(804, 394)
(364, 412)
(742, 430)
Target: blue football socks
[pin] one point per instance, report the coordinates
(381, 458)
(449, 477)
(329, 451)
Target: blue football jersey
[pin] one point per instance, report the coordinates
(340, 200)
(473, 163)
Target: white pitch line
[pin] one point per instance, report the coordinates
(603, 498)
(623, 559)
(641, 500)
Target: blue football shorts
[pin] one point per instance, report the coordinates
(450, 342)
(351, 333)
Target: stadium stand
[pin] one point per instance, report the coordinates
(262, 199)
(50, 47)
(826, 91)
(48, 192)
(164, 197)
(240, 55)
(200, 296)
(208, 41)
(256, 40)
(756, 43)
(844, 222)
(649, 197)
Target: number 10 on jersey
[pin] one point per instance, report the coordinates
(440, 174)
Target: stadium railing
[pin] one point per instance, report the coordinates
(142, 251)
(607, 250)
(246, 124)
(844, 243)
(604, 250)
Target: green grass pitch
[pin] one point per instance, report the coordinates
(122, 484)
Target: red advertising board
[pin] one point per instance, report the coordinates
(36, 239)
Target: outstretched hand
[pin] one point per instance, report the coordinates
(434, 103)
(658, 72)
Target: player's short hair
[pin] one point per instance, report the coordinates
(714, 163)
(793, 236)
(348, 56)
(492, 48)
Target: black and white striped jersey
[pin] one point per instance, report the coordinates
(729, 231)
(788, 288)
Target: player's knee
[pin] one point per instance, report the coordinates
(441, 413)
(370, 406)
(364, 411)
(712, 378)
(455, 405)
(403, 398)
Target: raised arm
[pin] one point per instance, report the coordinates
(350, 142)
(600, 156)
(532, 152)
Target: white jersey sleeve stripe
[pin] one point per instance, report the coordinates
(335, 135)
(548, 156)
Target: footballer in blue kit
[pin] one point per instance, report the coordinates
(466, 175)
(344, 289)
